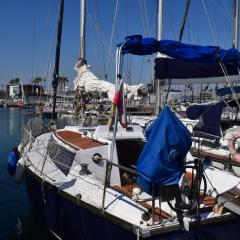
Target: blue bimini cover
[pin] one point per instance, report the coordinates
(161, 160)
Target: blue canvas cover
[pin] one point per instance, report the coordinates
(209, 121)
(227, 90)
(195, 111)
(138, 45)
(161, 160)
(174, 68)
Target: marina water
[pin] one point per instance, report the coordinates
(17, 219)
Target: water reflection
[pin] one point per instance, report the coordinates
(17, 220)
(30, 228)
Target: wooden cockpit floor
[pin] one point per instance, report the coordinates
(208, 202)
(78, 140)
(127, 191)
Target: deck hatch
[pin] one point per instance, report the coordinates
(61, 157)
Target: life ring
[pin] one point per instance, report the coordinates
(232, 149)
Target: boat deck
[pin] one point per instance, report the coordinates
(213, 156)
(231, 199)
(159, 214)
(78, 140)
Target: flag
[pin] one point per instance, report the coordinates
(118, 102)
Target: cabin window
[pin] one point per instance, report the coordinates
(61, 157)
(128, 152)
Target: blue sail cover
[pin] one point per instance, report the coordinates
(161, 160)
(138, 45)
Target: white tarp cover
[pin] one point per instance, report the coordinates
(85, 79)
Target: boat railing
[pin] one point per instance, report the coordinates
(33, 128)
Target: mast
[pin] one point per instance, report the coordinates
(159, 37)
(57, 58)
(184, 21)
(159, 22)
(82, 28)
(235, 23)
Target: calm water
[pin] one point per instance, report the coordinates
(17, 219)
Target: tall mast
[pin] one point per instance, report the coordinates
(159, 22)
(159, 34)
(82, 28)
(235, 23)
(57, 58)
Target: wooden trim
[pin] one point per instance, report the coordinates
(158, 211)
(77, 140)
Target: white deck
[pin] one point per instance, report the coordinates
(91, 186)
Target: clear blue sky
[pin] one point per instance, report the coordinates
(18, 18)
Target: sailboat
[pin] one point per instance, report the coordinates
(114, 182)
(99, 178)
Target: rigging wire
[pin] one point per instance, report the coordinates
(95, 51)
(224, 70)
(172, 24)
(146, 18)
(51, 48)
(100, 33)
(111, 39)
(227, 11)
(34, 38)
(210, 24)
(223, 67)
(142, 18)
(141, 70)
(50, 53)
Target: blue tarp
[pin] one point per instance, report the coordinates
(138, 45)
(161, 160)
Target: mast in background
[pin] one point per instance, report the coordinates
(236, 24)
(159, 22)
(180, 40)
(57, 59)
(82, 28)
(159, 37)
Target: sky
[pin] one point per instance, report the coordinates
(28, 34)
